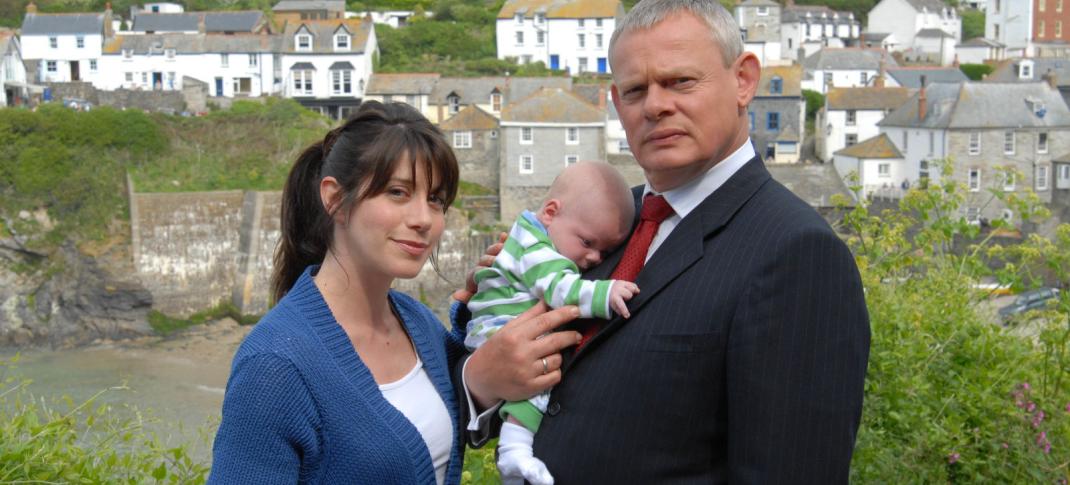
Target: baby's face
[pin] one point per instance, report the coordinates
(586, 235)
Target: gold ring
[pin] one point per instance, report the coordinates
(545, 366)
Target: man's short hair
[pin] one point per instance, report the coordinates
(723, 27)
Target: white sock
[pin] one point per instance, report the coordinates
(516, 460)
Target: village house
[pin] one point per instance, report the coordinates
(573, 35)
(816, 184)
(805, 29)
(474, 136)
(1052, 70)
(778, 114)
(325, 64)
(873, 167)
(14, 89)
(412, 88)
(906, 19)
(980, 49)
(999, 136)
(289, 12)
(880, 40)
(759, 22)
(845, 68)
(540, 136)
(1029, 28)
(491, 93)
(932, 46)
(850, 115)
(63, 47)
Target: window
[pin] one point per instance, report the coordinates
(79, 42)
(454, 103)
(1058, 5)
(1008, 180)
(303, 42)
(884, 170)
(850, 139)
(519, 38)
(341, 42)
(303, 82)
(932, 142)
(581, 23)
(1008, 143)
(582, 38)
(462, 139)
(997, 6)
(975, 143)
(923, 169)
(973, 180)
(571, 159)
(496, 102)
(772, 121)
(92, 64)
(1042, 177)
(1040, 28)
(852, 117)
(1025, 70)
(51, 66)
(623, 147)
(145, 78)
(242, 85)
(169, 53)
(1058, 28)
(1042, 143)
(776, 85)
(763, 11)
(253, 60)
(583, 64)
(171, 80)
(1064, 172)
(572, 135)
(518, 18)
(527, 164)
(863, 78)
(828, 80)
(53, 42)
(341, 81)
(973, 214)
(526, 137)
(224, 60)
(995, 27)
(540, 38)
(598, 40)
(598, 22)
(540, 18)
(1041, 4)
(130, 77)
(128, 53)
(906, 141)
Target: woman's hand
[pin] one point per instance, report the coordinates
(487, 259)
(523, 358)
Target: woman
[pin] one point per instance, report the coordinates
(344, 380)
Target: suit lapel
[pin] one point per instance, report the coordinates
(682, 248)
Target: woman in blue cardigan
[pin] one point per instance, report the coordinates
(345, 380)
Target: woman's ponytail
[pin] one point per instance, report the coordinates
(304, 225)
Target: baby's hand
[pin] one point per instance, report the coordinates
(620, 292)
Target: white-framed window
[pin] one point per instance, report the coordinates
(572, 135)
(303, 82)
(79, 42)
(1064, 172)
(1042, 177)
(462, 139)
(341, 42)
(224, 60)
(850, 139)
(171, 80)
(1008, 181)
(1008, 143)
(254, 60)
(884, 170)
(863, 77)
(341, 81)
(518, 18)
(144, 79)
(526, 136)
(571, 159)
(975, 143)
(93, 65)
(581, 23)
(303, 42)
(496, 102)
(973, 214)
(51, 66)
(582, 39)
(454, 103)
(53, 42)
(598, 40)
(973, 179)
(169, 53)
(1025, 70)
(540, 18)
(828, 80)
(583, 64)
(1007, 214)
(540, 38)
(128, 54)
(1042, 143)
(242, 85)
(623, 146)
(763, 11)
(527, 164)
(597, 23)
(852, 117)
(519, 38)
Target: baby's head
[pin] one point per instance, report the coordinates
(588, 212)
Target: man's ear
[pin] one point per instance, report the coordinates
(748, 72)
(330, 196)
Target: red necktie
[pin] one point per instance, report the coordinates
(655, 209)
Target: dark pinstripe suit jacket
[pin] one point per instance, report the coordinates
(743, 360)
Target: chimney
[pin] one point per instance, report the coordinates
(200, 23)
(109, 29)
(1050, 78)
(922, 101)
(31, 8)
(879, 82)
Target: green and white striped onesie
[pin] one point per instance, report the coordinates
(527, 270)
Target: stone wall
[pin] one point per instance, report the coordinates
(167, 101)
(480, 163)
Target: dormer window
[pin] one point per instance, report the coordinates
(1025, 70)
(128, 53)
(776, 85)
(454, 103)
(496, 102)
(540, 18)
(79, 42)
(519, 18)
(303, 42)
(169, 53)
(341, 42)
(53, 42)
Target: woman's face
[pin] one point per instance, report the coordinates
(392, 234)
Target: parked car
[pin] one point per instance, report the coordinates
(1030, 300)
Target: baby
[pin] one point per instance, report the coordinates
(588, 212)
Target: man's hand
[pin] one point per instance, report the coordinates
(619, 294)
(487, 259)
(521, 359)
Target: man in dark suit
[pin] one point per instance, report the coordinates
(745, 354)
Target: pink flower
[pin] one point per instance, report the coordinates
(1005, 446)
(1038, 418)
(1031, 406)
(953, 458)
(1025, 386)
(1068, 407)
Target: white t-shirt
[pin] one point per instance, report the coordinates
(415, 396)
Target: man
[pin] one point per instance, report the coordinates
(745, 354)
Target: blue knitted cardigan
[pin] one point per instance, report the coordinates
(301, 406)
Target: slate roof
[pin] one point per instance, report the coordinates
(935, 33)
(478, 89)
(240, 21)
(847, 59)
(1008, 70)
(62, 23)
(813, 183)
(983, 105)
(981, 42)
(759, 3)
(402, 83)
(192, 43)
(470, 117)
(297, 5)
(790, 80)
(874, 36)
(910, 77)
(562, 9)
(798, 14)
(590, 92)
(553, 105)
(323, 35)
(868, 98)
(879, 146)
(930, 5)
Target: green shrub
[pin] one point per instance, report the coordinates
(166, 325)
(975, 72)
(814, 102)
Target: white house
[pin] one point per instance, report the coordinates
(905, 18)
(231, 65)
(393, 18)
(13, 86)
(812, 28)
(980, 49)
(933, 45)
(1010, 23)
(64, 47)
(876, 165)
(573, 35)
(850, 67)
(850, 115)
(325, 64)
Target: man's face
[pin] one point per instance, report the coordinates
(681, 108)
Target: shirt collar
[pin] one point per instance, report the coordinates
(685, 198)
